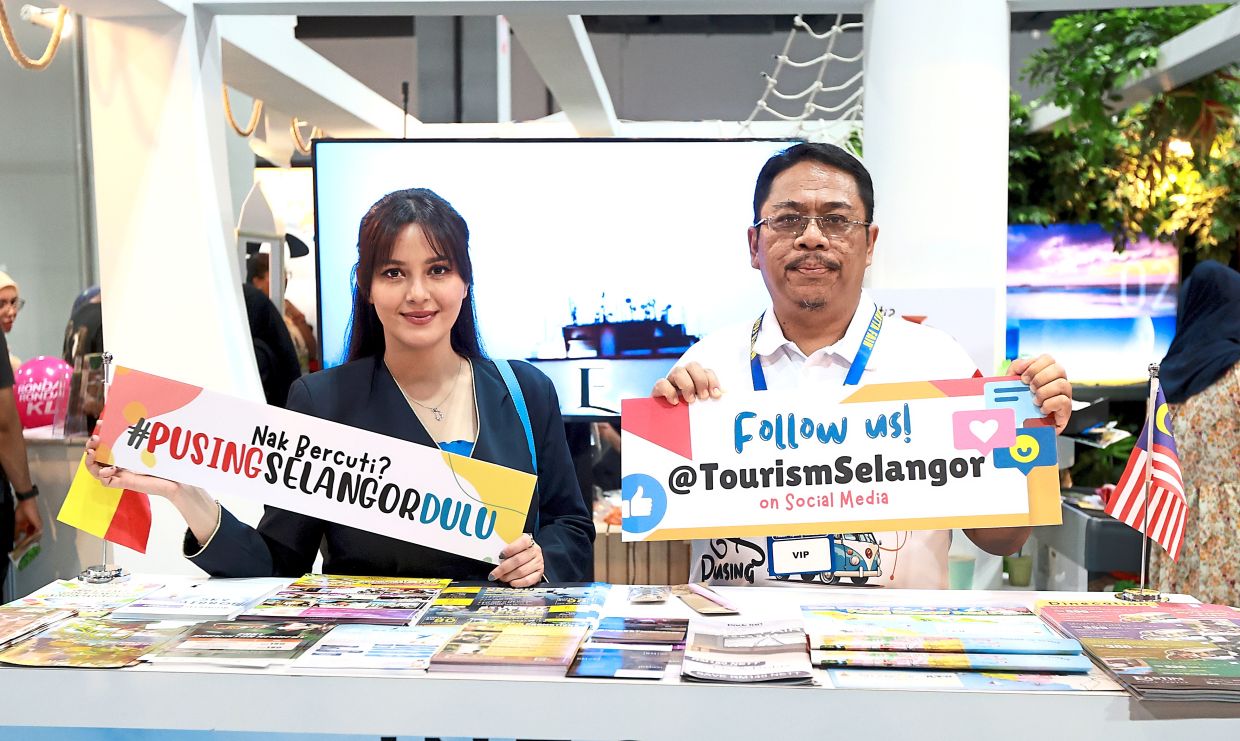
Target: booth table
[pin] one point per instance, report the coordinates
(482, 706)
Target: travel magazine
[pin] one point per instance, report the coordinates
(1160, 651)
(747, 651)
(92, 643)
(329, 598)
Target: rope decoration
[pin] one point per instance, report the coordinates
(304, 146)
(848, 109)
(255, 113)
(10, 41)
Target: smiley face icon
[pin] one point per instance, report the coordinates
(1035, 446)
(1026, 449)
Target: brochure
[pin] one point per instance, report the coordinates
(462, 605)
(390, 648)
(17, 622)
(747, 651)
(93, 643)
(349, 599)
(207, 599)
(941, 630)
(89, 600)
(956, 661)
(622, 661)
(251, 643)
(1160, 651)
(511, 648)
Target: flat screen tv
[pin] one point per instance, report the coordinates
(1104, 315)
(599, 260)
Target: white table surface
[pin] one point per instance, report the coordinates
(201, 698)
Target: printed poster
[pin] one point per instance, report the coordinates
(905, 456)
(313, 466)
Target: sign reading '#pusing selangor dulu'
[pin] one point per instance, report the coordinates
(903, 456)
(319, 468)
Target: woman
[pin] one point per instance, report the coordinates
(416, 371)
(10, 304)
(1201, 379)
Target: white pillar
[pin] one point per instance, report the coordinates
(936, 123)
(168, 268)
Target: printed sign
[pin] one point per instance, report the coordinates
(903, 456)
(313, 466)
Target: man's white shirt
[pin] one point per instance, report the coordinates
(904, 352)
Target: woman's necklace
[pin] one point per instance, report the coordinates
(433, 408)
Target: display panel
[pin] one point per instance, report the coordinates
(602, 261)
(1104, 315)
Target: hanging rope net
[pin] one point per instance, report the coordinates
(817, 107)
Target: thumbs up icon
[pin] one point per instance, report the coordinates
(639, 506)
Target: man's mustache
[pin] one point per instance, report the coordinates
(813, 261)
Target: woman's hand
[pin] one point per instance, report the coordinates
(200, 510)
(120, 478)
(521, 563)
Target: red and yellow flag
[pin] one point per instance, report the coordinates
(120, 516)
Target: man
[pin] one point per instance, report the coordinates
(258, 274)
(20, 526)
(813, 237)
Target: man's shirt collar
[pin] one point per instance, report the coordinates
(771, 337)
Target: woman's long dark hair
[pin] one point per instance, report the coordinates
(448, 236)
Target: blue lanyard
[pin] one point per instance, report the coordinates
(854, 371)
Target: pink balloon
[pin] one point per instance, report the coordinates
(40, 383)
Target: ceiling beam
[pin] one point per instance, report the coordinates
(524, 7)
(560, 49)
(1202, 49)
(264, 60)
(1031, 6)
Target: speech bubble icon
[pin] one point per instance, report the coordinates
(642, 503)
(984, 430)
(1034, 447)
(1012, 395)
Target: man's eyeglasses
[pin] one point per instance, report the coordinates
(832, 226)
(16, 303)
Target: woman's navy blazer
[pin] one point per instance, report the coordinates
(363, 394)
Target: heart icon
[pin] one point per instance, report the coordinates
(983, 430)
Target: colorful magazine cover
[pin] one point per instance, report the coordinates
(1177, 651)
(204, 599)
(461, 605)
(747, 651)
(18, 621)
(350, 599)
(89, 600)
(622, 661)
(92, 643)
(375, 647)
(941, 630)
(510, 648)
(249, 643)
(958, 662)
(641, 630)
(911, 679)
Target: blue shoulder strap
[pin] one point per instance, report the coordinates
(518, 400)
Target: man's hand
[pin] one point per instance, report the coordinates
(690, 382)
(28, 524)
(1051, 390)
(521, 564)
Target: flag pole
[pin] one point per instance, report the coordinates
(104, 572)
(1143, 593)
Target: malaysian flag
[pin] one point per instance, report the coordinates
(1168, 509)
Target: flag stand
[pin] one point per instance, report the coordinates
(1144, 593)
(104, 572)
